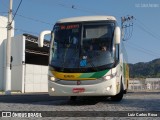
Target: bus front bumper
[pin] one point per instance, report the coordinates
(106, 88)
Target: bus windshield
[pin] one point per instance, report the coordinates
(82, 46)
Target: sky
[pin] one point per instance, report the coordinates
(34, 16)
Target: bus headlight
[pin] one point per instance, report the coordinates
(52, 78)
(108, 77)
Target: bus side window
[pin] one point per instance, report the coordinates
(117, 53)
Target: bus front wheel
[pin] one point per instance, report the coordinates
(119, 96)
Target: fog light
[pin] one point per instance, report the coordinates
(52, 78)
(109, 87)
(53, 89)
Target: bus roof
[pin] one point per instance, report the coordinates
(86, 18)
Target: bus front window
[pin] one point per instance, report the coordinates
(97, 43)
(82, 47)
(66, 45)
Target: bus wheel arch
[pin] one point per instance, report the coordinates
(119, 96)
(125, 91)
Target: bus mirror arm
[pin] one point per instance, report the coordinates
(41, 37)
(117, 35)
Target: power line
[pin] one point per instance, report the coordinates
(149, 51)
(60, 4)
(16, 11)
(33, 19)
(146, 27)
(142, 50)
(18, 29)
(75, 7)
(128, 33)
(80, 8)
(22, 30)
(25, 31)
(147, 31)
(143, 28)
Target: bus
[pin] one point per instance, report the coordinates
(87, 58)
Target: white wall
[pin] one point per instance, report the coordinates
(18, 50)
(18, 54)
(3, 37)
(26, 77)
(36, 79)
(17, 77)
(3, 29)
(2, 65)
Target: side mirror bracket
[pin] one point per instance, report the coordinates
(41, 37)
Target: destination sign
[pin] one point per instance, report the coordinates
(67, 27)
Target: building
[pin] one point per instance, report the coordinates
(148, 84)
(3, 36)
(29, 71)
(29, 66)
(136, 85)
(152, 83)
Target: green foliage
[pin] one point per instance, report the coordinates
(145, 70)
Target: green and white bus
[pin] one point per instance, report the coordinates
(87, 58)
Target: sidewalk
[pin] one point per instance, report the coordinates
(20, 93)
(143, 90)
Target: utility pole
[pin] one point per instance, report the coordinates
(126, 22)
(8, 52)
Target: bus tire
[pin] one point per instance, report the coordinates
(73, 98)
(119, 96)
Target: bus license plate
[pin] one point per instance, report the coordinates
(78, 90)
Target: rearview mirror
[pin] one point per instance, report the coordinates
(117, 35)
(41, 37)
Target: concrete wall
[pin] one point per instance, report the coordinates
(3, 37)
(2, 65)
(17, 71)
(36, 79)
(26, 77)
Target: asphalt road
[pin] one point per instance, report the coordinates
(140, 102)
